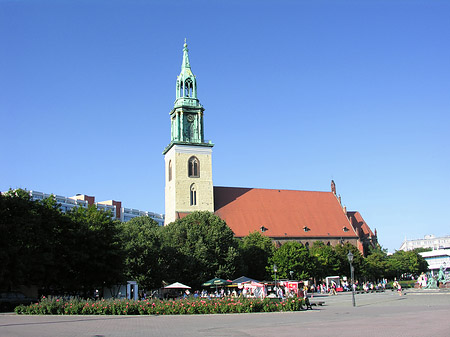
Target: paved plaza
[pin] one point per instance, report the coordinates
(418, 313)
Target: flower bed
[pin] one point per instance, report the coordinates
(57, 306)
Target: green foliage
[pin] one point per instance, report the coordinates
(141, 237)
(358, 260)
(421, 250)
(375, 264)
(32, 240)
(190, 306)
(86, 249)
(404, 283)
(256, 251)
(402, 262)
(292, 256)
(199, 247)
(57, 252)
(98, 255)
(327, 261)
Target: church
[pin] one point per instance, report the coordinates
(282, 215)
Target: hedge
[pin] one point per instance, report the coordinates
(189, 306)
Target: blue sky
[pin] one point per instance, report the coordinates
(296, 93)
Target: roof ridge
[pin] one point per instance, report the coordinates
(272, 189)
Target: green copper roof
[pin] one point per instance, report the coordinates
(186, 83)
(186, 65)
(187, 114)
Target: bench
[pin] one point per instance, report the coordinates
(370, 291)
(310, 304)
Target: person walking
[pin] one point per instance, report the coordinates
(397, 285)
(333, 288)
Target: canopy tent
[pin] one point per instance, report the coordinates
(243, 279)
(255, 289)
(291, 286)
(177, 285)
(216, 282)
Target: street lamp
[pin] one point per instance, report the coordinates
(350, 260)
(292, 274)
(275, 269)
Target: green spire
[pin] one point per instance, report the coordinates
(186, 83)
(186, 63)
(187, 114)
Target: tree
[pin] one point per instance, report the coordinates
(17, 226)
(59, 253)
(328, 263)
(97, 256)
(421, 250)
(409, 263)
(375, 264)
(292, 256)
(31, 241)
(199, 247)
(358, 260)
(256, 251)
(141, 237)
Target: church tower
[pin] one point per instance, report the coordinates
(187, 158)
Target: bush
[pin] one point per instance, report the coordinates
(405, 284)
(190, 306)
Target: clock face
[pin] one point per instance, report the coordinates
(190, 118)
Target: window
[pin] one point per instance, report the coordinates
(170, 170)
(194, 167)
(193, 198)
(188, 88)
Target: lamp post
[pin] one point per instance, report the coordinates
(292, 274)
(275, 269)
(350, 260)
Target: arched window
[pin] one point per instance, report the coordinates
(193, 197)
(170, 170)
(188, 88)
(194, 167)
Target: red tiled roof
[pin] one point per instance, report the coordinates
(358, 222)
(284, 213)
(181, 215)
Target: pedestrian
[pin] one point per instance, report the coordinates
(398, 286)
(333, 288)
(424, 280)
(399, 289)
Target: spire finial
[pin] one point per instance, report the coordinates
(185, 56)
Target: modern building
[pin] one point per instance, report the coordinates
(282, 215)
(436, 259)
(114, 207)
(429, 241)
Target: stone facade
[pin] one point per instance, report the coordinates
(179, 188)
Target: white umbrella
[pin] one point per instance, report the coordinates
(177, 285)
